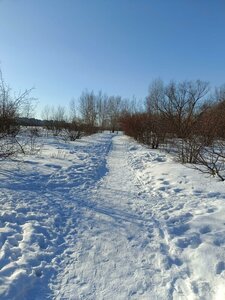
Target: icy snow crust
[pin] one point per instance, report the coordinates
(106, 218)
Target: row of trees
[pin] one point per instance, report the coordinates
(184, 117)
(94, 112)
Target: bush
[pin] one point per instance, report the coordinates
(10, 109)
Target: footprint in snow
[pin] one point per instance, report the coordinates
(165, 207)
(205, 229)
(201, 289)
(166, 182)
(220, 267)
(164, 248)
(193, 241)
(163, 188)
(169, 262)
(179, 230)
(211, 210)
(177, 190)
(130, 238)
(219, 241)
(197, 192)
(181, 219)
(213, 195)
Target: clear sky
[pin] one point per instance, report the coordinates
(62, 47)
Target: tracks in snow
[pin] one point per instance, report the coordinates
(108, 220)
(119, 250)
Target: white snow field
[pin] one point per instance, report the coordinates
(107, 218)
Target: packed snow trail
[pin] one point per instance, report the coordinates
(120, 250)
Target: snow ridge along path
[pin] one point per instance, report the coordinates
(106, 218)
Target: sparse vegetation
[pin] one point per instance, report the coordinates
(185, 118)
(11, 107)
(180, 117)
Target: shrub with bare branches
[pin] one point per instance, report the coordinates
(11, 106)
(211, 160)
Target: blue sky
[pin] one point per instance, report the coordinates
(62, 47)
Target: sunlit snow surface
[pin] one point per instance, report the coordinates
(106, 218)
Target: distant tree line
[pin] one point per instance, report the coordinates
(93, 113)
(185, 117)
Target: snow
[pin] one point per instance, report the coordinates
(107, 218)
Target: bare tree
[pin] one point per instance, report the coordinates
(181, 103)
(179, 106)
(114, 110)
(102, 110)
(28, 110)
(11, 106)
(155, 97)
(60, 114)
(211, 160)
(73, 110)
(88, 110)
(46, 113)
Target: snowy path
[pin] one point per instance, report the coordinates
(106, 218)
(119, 249)
(123, 246)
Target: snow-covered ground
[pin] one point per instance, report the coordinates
(106, 218)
